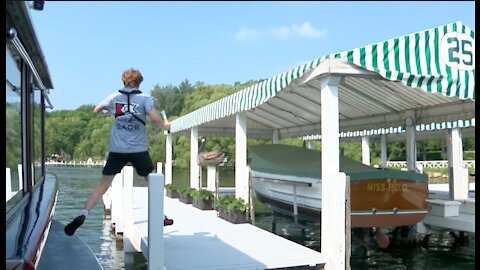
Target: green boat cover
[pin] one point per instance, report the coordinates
(287, 160)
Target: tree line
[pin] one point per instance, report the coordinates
(82, 134)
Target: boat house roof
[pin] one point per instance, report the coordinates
(431, 72)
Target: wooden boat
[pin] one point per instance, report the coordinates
(288, 178)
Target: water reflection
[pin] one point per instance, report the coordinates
(439, 251)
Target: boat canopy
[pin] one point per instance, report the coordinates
(431, 72)
(281, 162)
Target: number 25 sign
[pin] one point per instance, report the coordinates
(457, 50)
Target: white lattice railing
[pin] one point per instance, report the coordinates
(430, 164)
(75, 163)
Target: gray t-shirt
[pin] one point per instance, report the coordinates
(128, 133)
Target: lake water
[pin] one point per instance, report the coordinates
(76, 183)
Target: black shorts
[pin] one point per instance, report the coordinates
(141, 161)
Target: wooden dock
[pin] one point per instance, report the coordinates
(199, 239)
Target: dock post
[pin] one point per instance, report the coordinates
(117, 203)
(217, 186)
(333, 181)
(128, 246)
(457, 174)
(20, 177)
(383, 154)
(348, 224)
(366, 150)
(250, 197)
(168, 157)
(8, 187)
(295, 204)
(156, 185)
(159, 167)
(194, 167)
(211, 177)
(241, 176)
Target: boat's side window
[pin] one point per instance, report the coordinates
(13, 133)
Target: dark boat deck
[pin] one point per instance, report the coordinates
(66, 252)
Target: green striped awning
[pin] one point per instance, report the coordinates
(437, 60)
(399, 129)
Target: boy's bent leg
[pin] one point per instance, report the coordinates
(98, 192)
(91, 202)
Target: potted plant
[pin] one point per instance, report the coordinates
(172, 190)
(203, 199)
(232, 209)
(221, 205)
(237, 211)
(185, 194)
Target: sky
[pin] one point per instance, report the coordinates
(88, 45)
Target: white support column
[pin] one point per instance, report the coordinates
(309, 144)
(241, 170)
(117, 203)
(8, 186)
(276, 136)
(156, 183)
(333, 182)
(20, 176)
(366, 150)
(159, 167)
(128, 246)
(410, 122)
(194, 168)
(211, 174)
(168, 158)
(383, 146)
(295, 203)
(457, 175)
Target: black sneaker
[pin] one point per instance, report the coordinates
(167, 221)
(73, 226)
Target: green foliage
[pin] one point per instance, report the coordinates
(13, 136)
(186, 190)
(172, 187)
(80, 133)
(170, 98)
(206, 94)
(238, 204)
(231, 203)
(223, 201)
(202, 194)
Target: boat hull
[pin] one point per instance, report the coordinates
(388, 203)
(379, 203)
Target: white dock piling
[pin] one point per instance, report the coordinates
(117, 202)
(156, 184)
(8, 186)
(211, 177)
